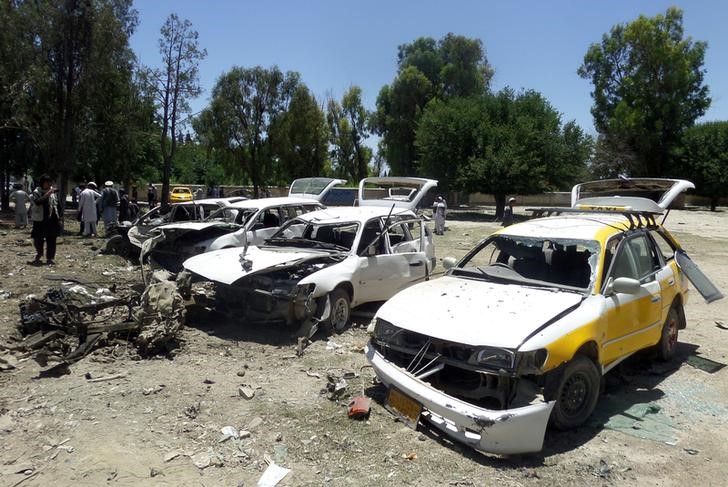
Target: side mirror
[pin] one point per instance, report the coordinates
(449, 262)
(625, 285)
(371, 251)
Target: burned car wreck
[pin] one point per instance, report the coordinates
(519, 333)
(320, 265)
(242, 223)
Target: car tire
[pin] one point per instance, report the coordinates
(340, 313)
(668, 338)
(576, 393)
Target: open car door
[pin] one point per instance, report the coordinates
(701, 282)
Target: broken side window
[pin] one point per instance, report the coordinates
(664, 246)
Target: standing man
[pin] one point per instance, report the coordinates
(439, 210)
(508, 212)
(151, 196)
(21, 199)
(123, 206)
(46, 222)
(87, 207)
(109, 206)
(80, 188)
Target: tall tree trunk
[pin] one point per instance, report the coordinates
(500, 205)
(166, 172)
(4, 163)
(713, 203)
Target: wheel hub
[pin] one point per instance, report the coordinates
(574, 394)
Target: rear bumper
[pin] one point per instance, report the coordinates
(509, 431)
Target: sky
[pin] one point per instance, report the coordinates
(530, 44)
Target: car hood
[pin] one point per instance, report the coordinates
(193, 225)
(224, 266)
(474, 312)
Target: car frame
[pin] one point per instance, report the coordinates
(512, 339)
(178, 212)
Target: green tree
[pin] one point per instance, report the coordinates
(503, 143)
(454, 66)
(300, 138)
(245, 105)
(174, 83)
(447, 137)
(703, 158)
(648, 88)
(72, 71)
(349, 127)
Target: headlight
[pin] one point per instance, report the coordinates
(501, 358)
(531, 362)
(385, 331)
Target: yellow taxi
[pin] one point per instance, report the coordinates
(519, 333)
(180, 194)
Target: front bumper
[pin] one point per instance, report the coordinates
(508, 431)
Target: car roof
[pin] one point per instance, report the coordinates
(352, 214)
(577, 226)
(268, 202)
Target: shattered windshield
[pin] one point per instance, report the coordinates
(300, 233)
(562, 263)
(232, 215)
(309, 185)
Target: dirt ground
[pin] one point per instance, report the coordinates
(160, 423)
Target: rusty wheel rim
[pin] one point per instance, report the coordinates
(672, 333)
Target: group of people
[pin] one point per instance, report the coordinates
(110, 205)
(42, 206)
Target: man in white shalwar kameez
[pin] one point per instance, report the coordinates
(439, 210)
(87, 207)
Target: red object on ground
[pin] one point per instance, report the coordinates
(359, 407)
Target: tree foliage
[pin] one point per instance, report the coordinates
(348, 128)
(70, 103)
(454, 66)
(703, 157)
(241, 118)
(502, 143)
(173, 84)
(300, 138)
(648, 88)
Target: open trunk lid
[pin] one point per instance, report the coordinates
(651, 195)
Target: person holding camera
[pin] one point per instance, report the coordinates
(46, 220)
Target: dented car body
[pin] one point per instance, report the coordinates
(520, 331)
(318, 266)
(179, 212)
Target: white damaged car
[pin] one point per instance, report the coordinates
(520, 331)
(320, 265)
(247, 222)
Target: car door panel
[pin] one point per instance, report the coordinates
(701, 282)
(381, 276)
(631, 319)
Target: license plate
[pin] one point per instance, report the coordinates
(407, 409)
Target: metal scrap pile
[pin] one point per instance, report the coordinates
(72, 320)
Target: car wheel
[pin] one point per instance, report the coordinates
(576, 394)
(668, 339)
(340, 310)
